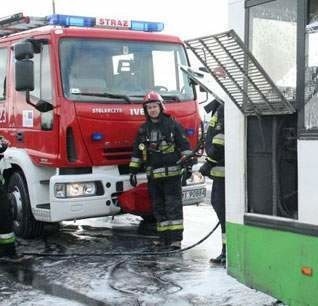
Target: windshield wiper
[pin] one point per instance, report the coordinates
(103, 95)
(171, 97)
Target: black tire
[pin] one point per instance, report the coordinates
(24, 224)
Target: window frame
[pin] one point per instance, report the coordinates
(39, 77)
(4, 85)
(106, 100)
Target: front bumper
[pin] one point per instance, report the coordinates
(105, 204)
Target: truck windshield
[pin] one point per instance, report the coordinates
(121, 69)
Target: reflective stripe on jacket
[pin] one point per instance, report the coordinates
(213, 120)
(135, 162)
(167, 148)
(218, 172)
(218, 139)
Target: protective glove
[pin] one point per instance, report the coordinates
(185, 158)
(133, 180)
(188, 171)
(206, 168)
(186, 174)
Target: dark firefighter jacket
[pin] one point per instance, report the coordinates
(158, 147)
(7, 237)
(3, 147)
(214, 145)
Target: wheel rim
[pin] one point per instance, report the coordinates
(16, 202)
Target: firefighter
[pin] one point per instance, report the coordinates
(214, 168)
(7, 237)
(160, 144)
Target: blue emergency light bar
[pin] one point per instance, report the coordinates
(68, 20)
(147, 26)
(82, 21)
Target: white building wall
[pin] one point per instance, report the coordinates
(308, 181)
(235, 136)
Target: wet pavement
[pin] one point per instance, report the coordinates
(102, 272)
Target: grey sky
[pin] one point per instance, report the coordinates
(187, 19)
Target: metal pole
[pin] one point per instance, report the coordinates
(53, 6)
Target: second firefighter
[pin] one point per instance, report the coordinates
(214, 168)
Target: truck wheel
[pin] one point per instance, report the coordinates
(24, 224)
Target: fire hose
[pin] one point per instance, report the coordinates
(163, 252)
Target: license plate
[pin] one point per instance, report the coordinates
(193, 194)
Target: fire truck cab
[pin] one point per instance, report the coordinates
(71, 96)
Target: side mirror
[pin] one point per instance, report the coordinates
(43, 106)
(23, 50)
(24, 76)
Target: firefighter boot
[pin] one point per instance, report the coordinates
(8, 254)
(7, 250)
(221, 259)
(175, 245)
(158, 243)
(162, 241)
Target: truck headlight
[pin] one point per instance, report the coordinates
(73, 190)
(196, 178)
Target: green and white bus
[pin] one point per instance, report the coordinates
(269, 66)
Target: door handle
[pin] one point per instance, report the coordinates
(19, 136)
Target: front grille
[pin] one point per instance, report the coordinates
(122, 153)
(82, 170)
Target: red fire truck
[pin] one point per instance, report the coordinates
(71, 90)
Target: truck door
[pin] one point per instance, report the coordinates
(35, 130)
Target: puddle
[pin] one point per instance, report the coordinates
(24, 274)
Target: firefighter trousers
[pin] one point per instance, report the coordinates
(7, 237)
(218, 201)
(166, 196)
